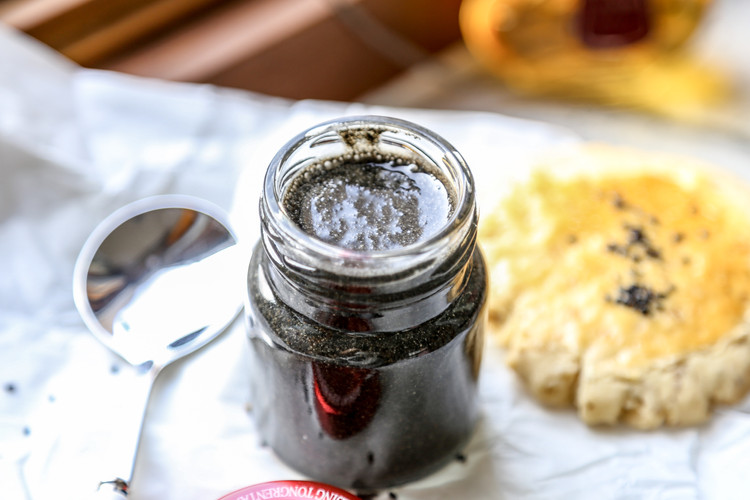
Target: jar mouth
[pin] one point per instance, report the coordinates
(379, 132)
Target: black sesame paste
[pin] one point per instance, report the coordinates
(365, 410)
(369, 204)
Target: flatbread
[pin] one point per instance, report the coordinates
(620, 284)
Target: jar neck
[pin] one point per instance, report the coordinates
(358, 291)
(362, 304)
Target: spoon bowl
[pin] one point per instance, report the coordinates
(155, 281)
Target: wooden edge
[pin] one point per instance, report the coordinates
(106, 40)
(26, 14)
(221, 39)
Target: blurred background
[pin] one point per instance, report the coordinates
(652, 73)
(325, 49)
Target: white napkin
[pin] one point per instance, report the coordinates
(76, 144)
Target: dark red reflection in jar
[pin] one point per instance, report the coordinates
(613, 23)
(346, 398)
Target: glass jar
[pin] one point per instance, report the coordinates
(365, 351)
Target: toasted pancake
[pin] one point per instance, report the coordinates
(620, 284)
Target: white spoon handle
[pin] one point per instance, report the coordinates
(123, 413)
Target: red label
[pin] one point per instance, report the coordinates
(291, 490)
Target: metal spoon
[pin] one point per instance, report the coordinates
(155, 281)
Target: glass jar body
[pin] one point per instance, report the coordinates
(364, 361)
(364, 411)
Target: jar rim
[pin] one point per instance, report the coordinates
(452, 161)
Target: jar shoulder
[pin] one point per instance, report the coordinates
(271, 321)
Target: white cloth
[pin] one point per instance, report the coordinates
(75, 144)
